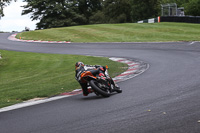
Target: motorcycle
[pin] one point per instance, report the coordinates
(101, 84)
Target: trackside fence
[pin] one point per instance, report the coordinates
(183, 19)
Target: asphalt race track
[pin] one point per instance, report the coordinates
(164, 99)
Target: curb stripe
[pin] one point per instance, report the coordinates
(125, 74)
(12, 38)
(132, 69)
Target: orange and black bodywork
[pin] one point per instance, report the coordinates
(86, 76)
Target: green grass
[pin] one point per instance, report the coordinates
(128, 32)
(24, 76)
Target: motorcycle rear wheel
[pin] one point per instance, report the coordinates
(95, 87)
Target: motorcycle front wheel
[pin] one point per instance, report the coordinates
(95, 86)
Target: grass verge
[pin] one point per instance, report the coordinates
(24, 76)
(126, 32)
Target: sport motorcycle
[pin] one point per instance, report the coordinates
(100, 83)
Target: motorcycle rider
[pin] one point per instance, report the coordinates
(80, 67)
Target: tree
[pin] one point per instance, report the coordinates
(54, 13)
(89, 7)
(192, 8)
(144, 9)
(178, 2)
(3, 3)
(117, 11)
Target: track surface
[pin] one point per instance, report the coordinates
(164, 99)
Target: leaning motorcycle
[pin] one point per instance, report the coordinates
(101, 84)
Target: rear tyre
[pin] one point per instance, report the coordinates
(95, 87)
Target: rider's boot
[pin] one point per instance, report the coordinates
(90, 90)
(85, 92)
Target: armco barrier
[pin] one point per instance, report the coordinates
(152, 20)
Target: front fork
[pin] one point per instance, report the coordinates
(111, 80)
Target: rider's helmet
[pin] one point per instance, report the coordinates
(78, 64)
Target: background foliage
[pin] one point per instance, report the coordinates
(62, 13)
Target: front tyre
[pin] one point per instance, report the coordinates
(118, 90)
(95, 87)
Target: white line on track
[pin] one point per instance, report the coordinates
(194, 42)
(26, 104)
